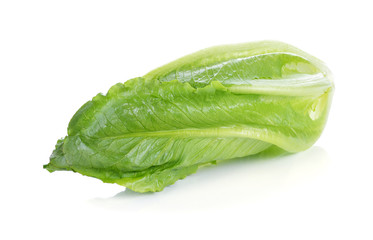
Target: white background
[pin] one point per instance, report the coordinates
(56, 55)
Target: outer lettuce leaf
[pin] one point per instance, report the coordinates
(146, 135)
(226, 102)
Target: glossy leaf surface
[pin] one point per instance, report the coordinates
(217, 104)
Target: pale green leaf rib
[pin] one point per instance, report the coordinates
(300, 85)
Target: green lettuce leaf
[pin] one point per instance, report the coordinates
(242, 63)
(149, 132)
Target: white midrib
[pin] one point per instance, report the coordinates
(190, 132)
(286, 142)
(301, 85)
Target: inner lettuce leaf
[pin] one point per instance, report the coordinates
(243, 63)
(216, 104)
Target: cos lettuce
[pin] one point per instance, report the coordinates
(220, 103)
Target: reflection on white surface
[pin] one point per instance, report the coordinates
(237, 181)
